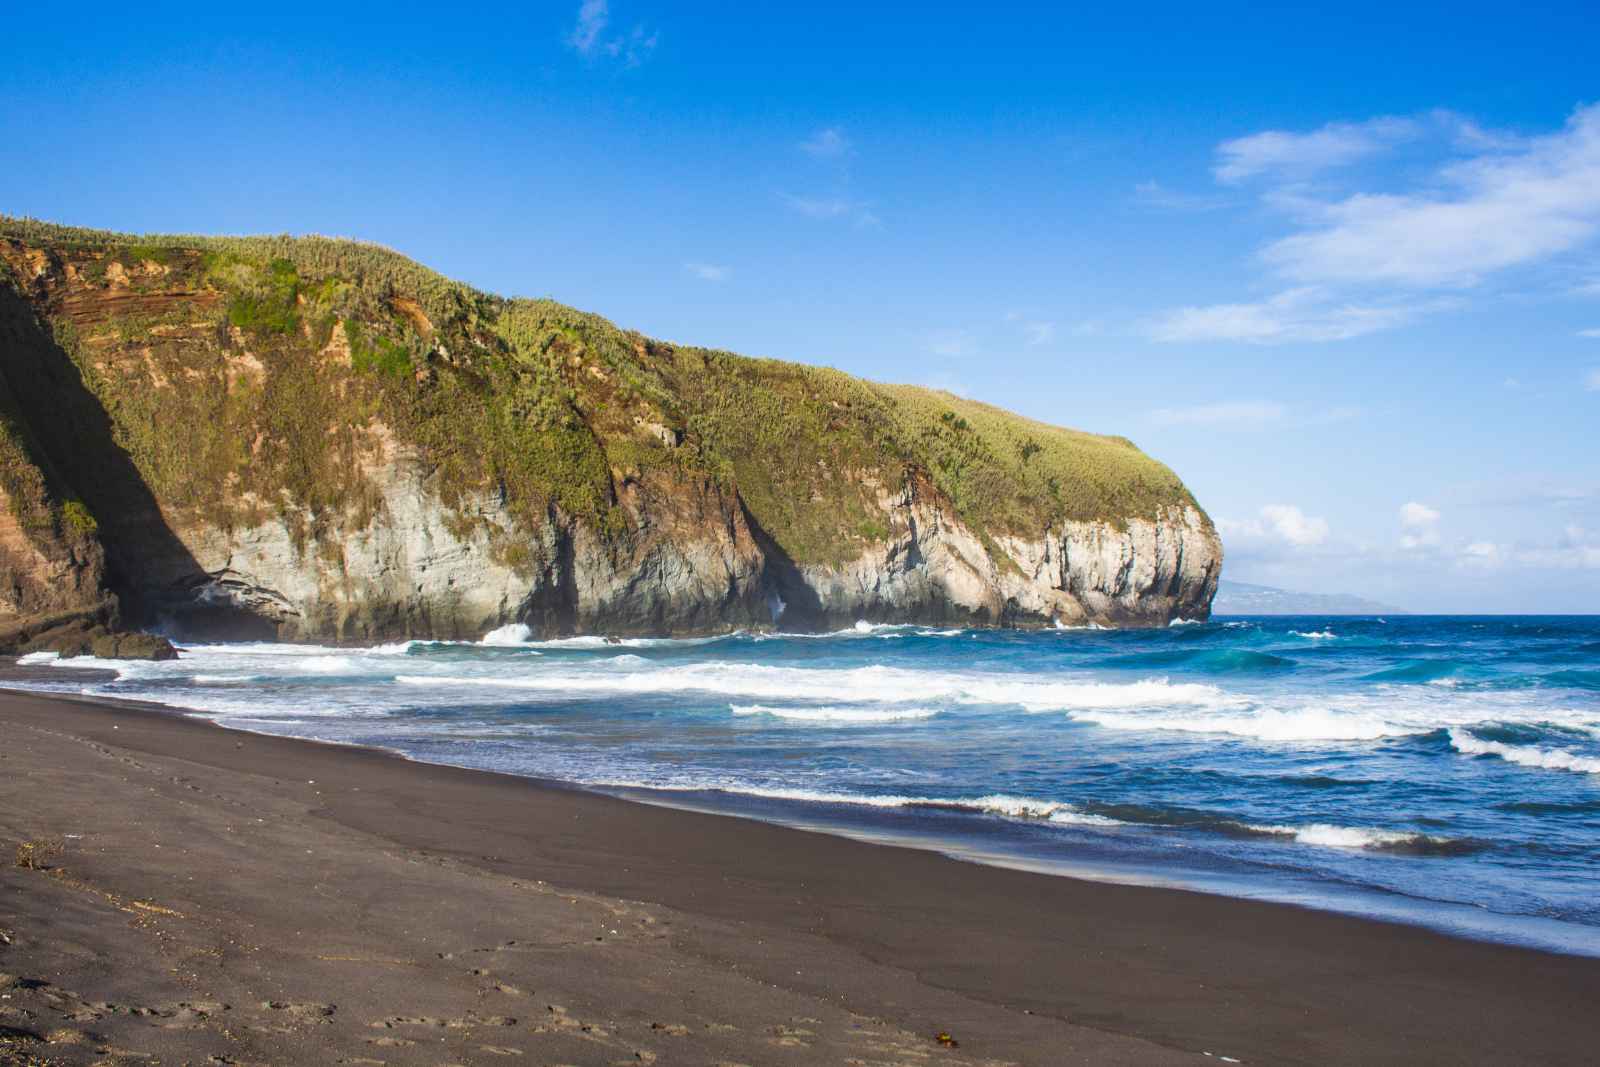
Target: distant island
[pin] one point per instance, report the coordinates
(1242, 598)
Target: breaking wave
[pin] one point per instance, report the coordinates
(1554, 759)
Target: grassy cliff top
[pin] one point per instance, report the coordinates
(543, 404)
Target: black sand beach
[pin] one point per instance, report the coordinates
(222, 897)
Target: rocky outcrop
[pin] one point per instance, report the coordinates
(336, 444)
(694, 563)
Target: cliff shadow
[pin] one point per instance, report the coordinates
(148, 566)
(794, 604)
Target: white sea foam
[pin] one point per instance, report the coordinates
(880, 685)
(596, 641)
(1326, 835)
(326, 665)
(835, 714)
(507, 636)
(1302, 724)
(1554, 759)
(1000, 804)
(34, 658)
(1315, 635)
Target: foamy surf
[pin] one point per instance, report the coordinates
(1327, 835)
(1551, 759)
(835, 714)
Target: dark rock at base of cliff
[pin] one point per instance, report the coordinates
(133, 646)
(92, 631)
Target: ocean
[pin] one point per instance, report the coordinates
(1443, 771)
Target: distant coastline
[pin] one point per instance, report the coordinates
(1243, 598)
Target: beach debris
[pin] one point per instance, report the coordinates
(39, 854)
(944, 1038)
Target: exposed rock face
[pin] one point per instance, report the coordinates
(694, 566)
(279, 458)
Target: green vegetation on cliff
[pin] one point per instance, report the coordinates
(267, 376)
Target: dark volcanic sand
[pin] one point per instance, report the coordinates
(274, 901)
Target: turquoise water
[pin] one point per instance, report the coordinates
(1436, 770)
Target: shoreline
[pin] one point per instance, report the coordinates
(1364, 902)
(1188, 971)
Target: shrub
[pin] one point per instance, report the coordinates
(77, 518)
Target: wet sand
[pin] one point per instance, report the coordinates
(265, 900)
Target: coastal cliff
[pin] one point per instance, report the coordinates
(304, 438)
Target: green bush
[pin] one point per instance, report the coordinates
(77, 517)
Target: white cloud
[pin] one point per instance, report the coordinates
(1305, 314)
(708, 272)
(1284, 523)
(1421, 524)
(833, 207)
(589, 38)
(1590, 333)
(1482, 554)
(1236, 415)
(1294, 526)
(1302, 154)
(1474, 217)
(1413, 514)
(827, 143)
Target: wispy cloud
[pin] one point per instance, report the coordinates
(592, 18)
(831, 207)
(1575, 548)
(708, 272)
(1039, 333)
(589, 37)
(827, 143)
(1250, 415)
(1035, 332)
(950, 343)
(1300, 155)
(1308, 313)
(1236, 415)
(1592, 382)
(1476, 217)
(1368, 259)
(1589, 333)
(1154, 194)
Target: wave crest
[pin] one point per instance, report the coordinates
(1555, 759)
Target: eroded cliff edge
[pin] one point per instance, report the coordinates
(318, 439)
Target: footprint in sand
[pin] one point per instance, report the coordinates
(306, 1011)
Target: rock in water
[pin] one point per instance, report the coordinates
(318, 439)
(133, 646)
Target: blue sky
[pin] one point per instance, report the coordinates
(1340, 270)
